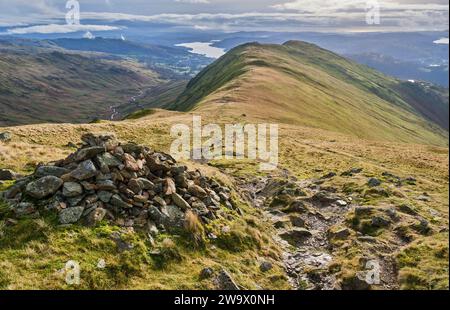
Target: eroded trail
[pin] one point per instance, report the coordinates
(302, 215)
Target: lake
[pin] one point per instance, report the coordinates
(204, 48)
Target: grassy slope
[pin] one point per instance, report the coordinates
(44, 85)
(423, 264)
(299, 83)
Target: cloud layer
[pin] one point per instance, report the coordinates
(232, 15)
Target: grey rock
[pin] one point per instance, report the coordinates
(197, 191)
(206, 273)
(157, 216)
(379, 221)
(89, 152)
(107, 140)
(424, 198)
(7, 175)
(108, 160)
(72, 189)
(160, 201)
(175, 217)
(70, 215)
(135, 186)
(357, 282)
(119, 203)
(266, 266)
(105, 185)
(84, 171)
(43, 171)
(282, 223)
(225, 282)
(24, 209)
(363, 210)
(296, 235)
(340, 234)
(352, 172)
(373, 182)
(145, 184)
(43, 187)
(95, 217)
(329, 175)
(74, 201)
(297, 221)
(121, 244)
(5, 136)
(180, 202)
(104, 196)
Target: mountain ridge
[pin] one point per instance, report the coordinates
(299, 82)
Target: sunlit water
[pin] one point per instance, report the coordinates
(204, 48)
(441, 41)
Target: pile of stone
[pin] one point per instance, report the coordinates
(125, 183)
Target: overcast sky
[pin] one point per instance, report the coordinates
(234, 15)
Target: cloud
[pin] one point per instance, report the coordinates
(57, 28)
(290, 21)
(194, 1)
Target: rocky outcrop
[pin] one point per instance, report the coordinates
(127, 184)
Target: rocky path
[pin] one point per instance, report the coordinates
(302, 223)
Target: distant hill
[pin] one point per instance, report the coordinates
(39, 85)
(170, 61)
(303, 84)
(406, 70)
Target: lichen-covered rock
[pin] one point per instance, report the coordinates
(55, 171)
(84, 171)
(72, 189)
(43, 187)
(180, 202)
(70, 215)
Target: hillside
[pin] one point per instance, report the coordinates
(300, 83)
(168, 61)
(39, 85)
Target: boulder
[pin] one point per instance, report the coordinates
(296, 235)
(5, 136)
(135, 186)
(43, 187)
(180, 202)
(373, 182)
(95, 217)
(340, 234)
(7, 175)
(108, 160)
(266, 266)
(225, 282)
(105, 185)
(72, 189)
(104, 196)
(197, 191)
(43, 171)
(89, 152)
(70, 215)
(119, 203)
(84, 171)
(206, 273)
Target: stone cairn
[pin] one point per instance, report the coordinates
(126, 184)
